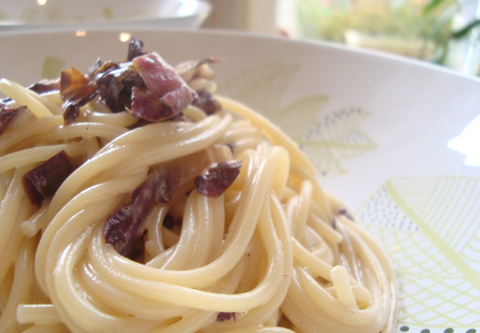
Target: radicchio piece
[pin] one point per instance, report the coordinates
(163, 82)
(44, 180)
(178, 99)
(7, 113)
(139, 248)
(223, 316)
(45, 86)
(135, 49)
(218, 178)
(207, 102)
(346, 213)
(125, 226)
(116, 86)
(190, 70)
(76, 90)
(100, 67)
(145, 105)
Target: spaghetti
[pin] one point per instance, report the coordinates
(201, 217)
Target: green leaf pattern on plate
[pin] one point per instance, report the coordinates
(326, 136)
(336, 137)
(427, 225)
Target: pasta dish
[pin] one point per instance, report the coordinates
(134, 198)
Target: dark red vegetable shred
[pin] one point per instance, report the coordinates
(138, 250)
(125, 226)
(44, 180)
(100, 67)
(145, 105)
(190, 70)
(76, 90)
(145, 85)
(135, 49)
(207, 102)
(163, 82)
(218, 178)
(346, 213)
(7, 113)
(45, 86)
(223, 316)
(116, 86)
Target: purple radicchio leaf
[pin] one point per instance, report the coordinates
(207, 102)
(135, 49)
(125, 226)
(76, 90)
(345, 212)
(223, 316)
(7, 113)
(190, 70)
(116, 86)
(45, 86)
(145, 105)
(218, 178)
(163, 82)
(43, 181)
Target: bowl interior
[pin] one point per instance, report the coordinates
(383, 131)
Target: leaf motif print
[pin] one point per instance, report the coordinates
(299, 117)
(429, 228)
(326, 137)
(335, 137)
(260, 87)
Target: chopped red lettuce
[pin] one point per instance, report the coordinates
(144, 85)
(164, 83)
(7, 113)
(145, 105)
(207, 102)
(100, 67)
(346, 213)
(223, 316)
(190, 70)
(138, 249)
(45, 86)
(76, 90)
(135, 49)
(42, 182)
(218, 178)
(126, 225)
(116, 87)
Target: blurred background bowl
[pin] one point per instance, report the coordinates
(72, 15)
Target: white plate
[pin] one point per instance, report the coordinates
(395, 139)
(72, 14)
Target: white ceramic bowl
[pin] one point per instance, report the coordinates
(396, 139)
(73, 15)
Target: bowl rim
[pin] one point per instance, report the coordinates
(202, 10)
(243, 35)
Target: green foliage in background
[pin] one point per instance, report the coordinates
(329, 21)
(430, 22)
(444, 11)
